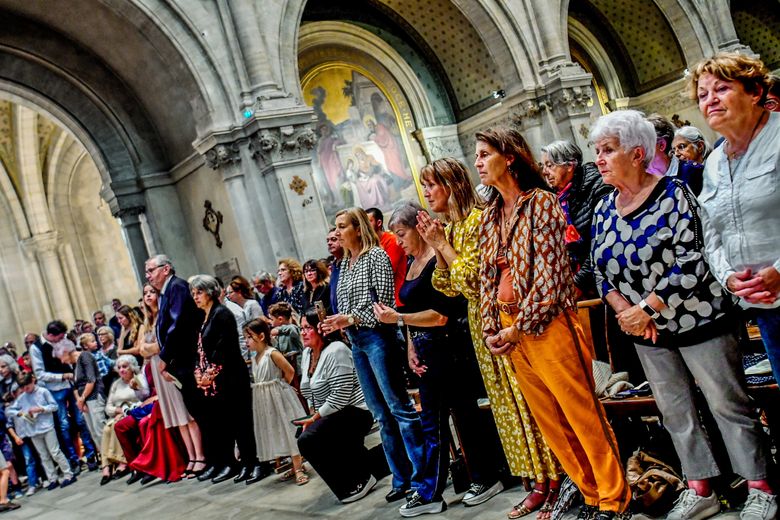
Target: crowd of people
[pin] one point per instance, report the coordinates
(473, 305)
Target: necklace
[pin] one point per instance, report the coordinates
(733, 155)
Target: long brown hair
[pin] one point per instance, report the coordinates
(453, 176)
(524, 169)
(135, 322)
(149, 315)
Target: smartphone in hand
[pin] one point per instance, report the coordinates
(374, 296)
(299, 420)
(320, 310)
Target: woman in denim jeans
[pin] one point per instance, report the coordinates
(367, 276)
(449, 377)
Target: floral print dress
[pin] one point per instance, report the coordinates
(526, 451)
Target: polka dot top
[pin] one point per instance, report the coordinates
(658, 248)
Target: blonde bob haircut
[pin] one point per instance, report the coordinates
(359, 220)
(294, 267)
(731, 66)
(453, 176)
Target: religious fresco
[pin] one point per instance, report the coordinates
(361, 158)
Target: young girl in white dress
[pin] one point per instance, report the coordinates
(274, 402)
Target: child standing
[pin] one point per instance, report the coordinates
(34, 408)
(274, 401)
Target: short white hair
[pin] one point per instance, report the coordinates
(694, 135)
(630, 128)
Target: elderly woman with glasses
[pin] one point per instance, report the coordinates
(689, 144)
(222, 377)
(579, 189)
(650, 267)
(127, 391)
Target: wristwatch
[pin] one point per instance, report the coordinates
(649, 310)
(400, 321)
(350, 319)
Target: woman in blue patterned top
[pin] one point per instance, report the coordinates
(649, 266)
(365, 277)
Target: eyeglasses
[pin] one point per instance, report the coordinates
(771, 104)
(307, 328)
(309, 270)
(681, 146)
(153, 269)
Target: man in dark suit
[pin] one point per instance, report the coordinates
(178, 322)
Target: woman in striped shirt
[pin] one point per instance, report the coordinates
(332, 440)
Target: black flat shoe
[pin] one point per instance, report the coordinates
(105, 479)
(226, 473)
(397, 494)
(135, 477)
(208, 473)
(146, 479)
(244, 474)
(258, 473)
(121, 473)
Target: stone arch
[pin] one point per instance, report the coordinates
(638, 37)
(511, 65)
(758, 26)
(361, 41)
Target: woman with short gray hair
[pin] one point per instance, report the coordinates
(689, 144)
(579, 188)
(648, 258)
(222, 376)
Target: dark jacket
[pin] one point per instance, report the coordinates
(178, 322)
(586, 191)
(219, 338)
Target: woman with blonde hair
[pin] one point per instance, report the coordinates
(366, 277)
(130, 321)
(449, 192)
(290, 281)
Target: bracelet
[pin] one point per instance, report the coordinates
(649, 310)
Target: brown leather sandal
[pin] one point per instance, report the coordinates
(521, 509)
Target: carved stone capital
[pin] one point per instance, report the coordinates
(285, 143)
(41, 244)
(528, 112)
(222, 154)
(569, 101)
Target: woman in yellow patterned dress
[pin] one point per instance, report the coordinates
(449, 192)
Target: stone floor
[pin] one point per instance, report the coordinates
(268, 499)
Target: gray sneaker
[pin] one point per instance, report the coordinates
(759, 506)
(690, 506)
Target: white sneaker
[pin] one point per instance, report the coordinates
(760, 368)
(690, 506)
(759, 506)
(417, 506)
(480, 493)
(360, 491)
(31, 491)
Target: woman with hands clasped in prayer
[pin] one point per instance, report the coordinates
(529, 319)
(127, 390)
(650, 267)
(449, 192)
(172, 407)
(740, 198)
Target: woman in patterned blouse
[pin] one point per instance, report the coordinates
(449, 192)
(648, 257)
(529, 316)
(290, 280)
(365, 277)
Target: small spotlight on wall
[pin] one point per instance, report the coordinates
(247, 113)
(499, 94)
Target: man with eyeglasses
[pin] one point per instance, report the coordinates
(178, 323)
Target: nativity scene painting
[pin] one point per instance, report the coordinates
(360, 159)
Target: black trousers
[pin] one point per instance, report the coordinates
(226, 422)
(334, 446)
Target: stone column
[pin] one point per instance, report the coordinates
(250, 219)
(134, 238)
(42, 248)
(284, 183)
(441, 141)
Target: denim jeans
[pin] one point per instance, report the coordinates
(434, 415)
(378, 362)
(768, 321)
(29, 462)
(65, 399)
